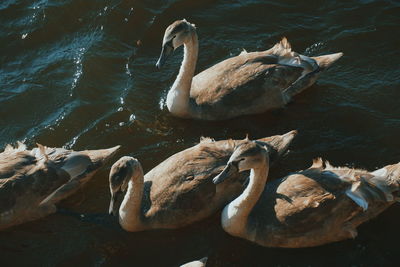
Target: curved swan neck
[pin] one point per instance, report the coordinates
(235, 214)
(130, 209)
(178, 95)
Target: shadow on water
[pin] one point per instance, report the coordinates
(97, 239)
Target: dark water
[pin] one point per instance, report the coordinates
(81, 74)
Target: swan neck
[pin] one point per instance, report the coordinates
(247, 200)
(235, 214)
(130, 209)
(179, 94)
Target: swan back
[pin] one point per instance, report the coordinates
(254, 82)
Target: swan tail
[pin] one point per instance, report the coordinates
(278, 145)
(379, 186)
(325, 61)
(100, 156)
(312, 67)
(286, 56)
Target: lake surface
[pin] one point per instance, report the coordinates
(81, 74)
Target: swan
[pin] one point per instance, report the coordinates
(319, 205)
(179, 191)
(249, 83)
(33, 181)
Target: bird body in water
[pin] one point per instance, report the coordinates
(316, 206)
(249, 83)
(33, 181)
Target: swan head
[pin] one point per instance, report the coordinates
(247, 155)
(122, 171)
(176, 34)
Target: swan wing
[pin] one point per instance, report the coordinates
(25, 180)
(303, 202)
(182, 184)
(29, 176)
(244, 76)
(277, 67)
(307, 199)
(180, 189)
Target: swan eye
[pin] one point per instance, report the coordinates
(236, 163)
(169, 43)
